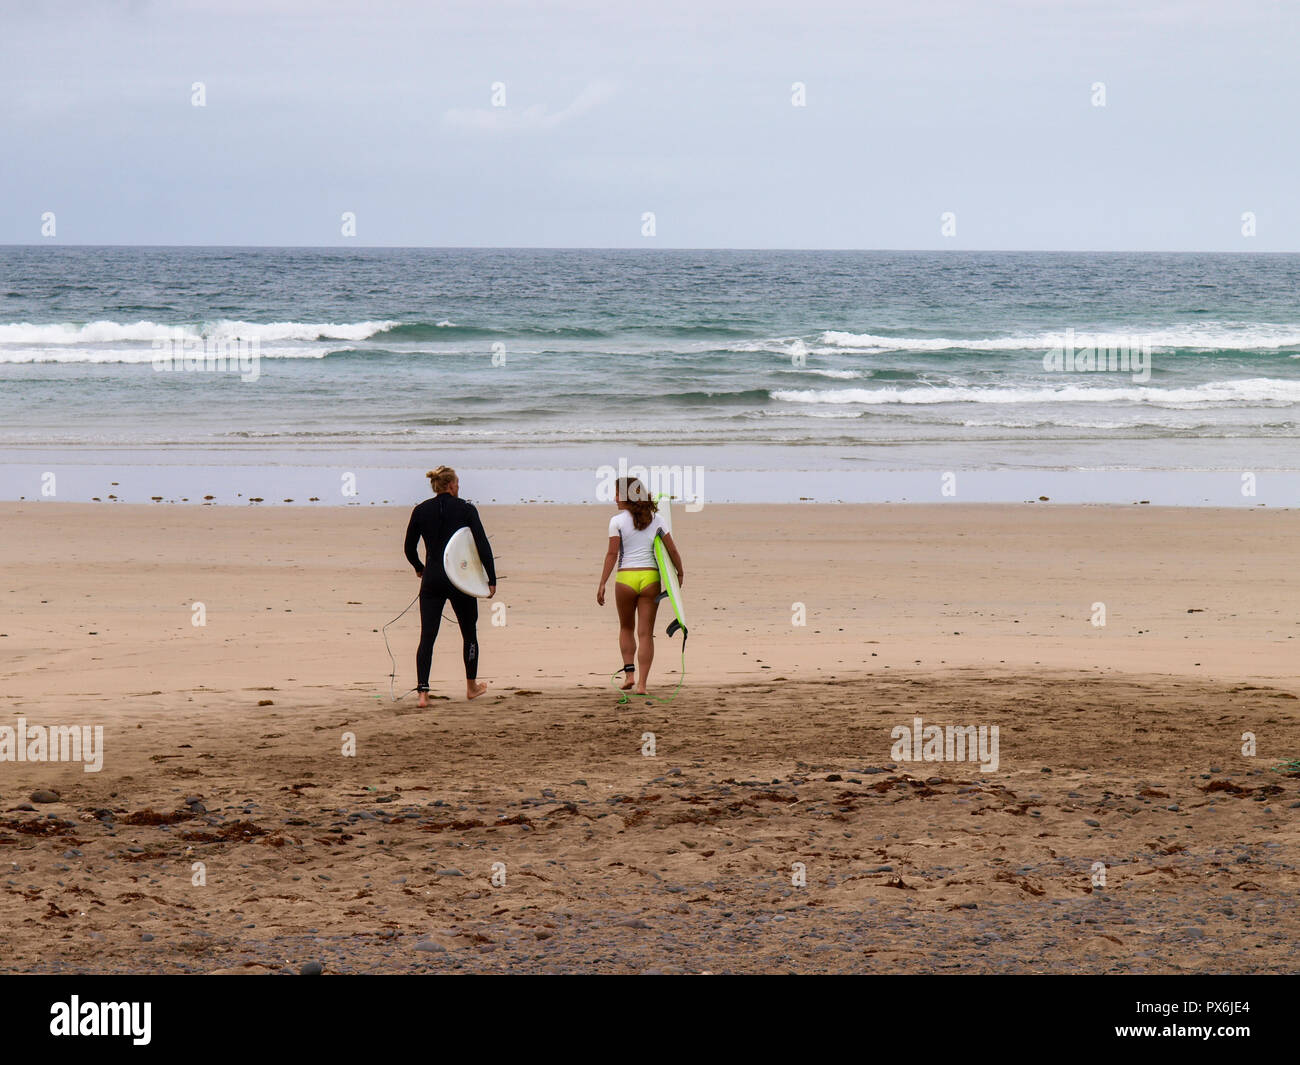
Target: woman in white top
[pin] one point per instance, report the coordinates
(632, 533)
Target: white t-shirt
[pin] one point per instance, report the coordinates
(637, 550)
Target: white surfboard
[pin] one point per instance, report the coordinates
(665, 504)
(463, 566)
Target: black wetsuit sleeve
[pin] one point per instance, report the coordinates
(481, 542)
(412, 542)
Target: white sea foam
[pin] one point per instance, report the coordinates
(1206, 336)
(839, 375)
(1076, 423)
(788, 346)
(132, 356)
(1256, 390)
(105, 332)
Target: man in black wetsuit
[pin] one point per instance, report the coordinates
(434, 521)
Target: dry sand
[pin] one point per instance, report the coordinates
(1119, 745)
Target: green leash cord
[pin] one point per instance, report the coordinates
(626, 697)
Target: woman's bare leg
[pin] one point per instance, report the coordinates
(626, 599)
(647, 606)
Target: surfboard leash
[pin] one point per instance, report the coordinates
(393, 675)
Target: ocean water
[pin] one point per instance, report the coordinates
(860, 361)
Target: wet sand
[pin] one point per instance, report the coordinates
(224, 745)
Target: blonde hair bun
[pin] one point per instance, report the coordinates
(442, 479)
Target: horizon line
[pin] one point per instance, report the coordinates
(626, 248)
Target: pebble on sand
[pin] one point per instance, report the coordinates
(44, 796)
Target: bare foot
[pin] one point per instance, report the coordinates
(629, 681)
(423, 704)
(641, 691)
(474, 690)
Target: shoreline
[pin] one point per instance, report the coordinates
(326, 483)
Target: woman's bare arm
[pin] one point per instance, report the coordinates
(611, 560)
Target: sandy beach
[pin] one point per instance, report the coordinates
(775, 828)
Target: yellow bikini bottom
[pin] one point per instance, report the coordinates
(638, 579)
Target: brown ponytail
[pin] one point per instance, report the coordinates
(632, 492)
(442, 479)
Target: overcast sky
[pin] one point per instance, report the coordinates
(682, 108)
